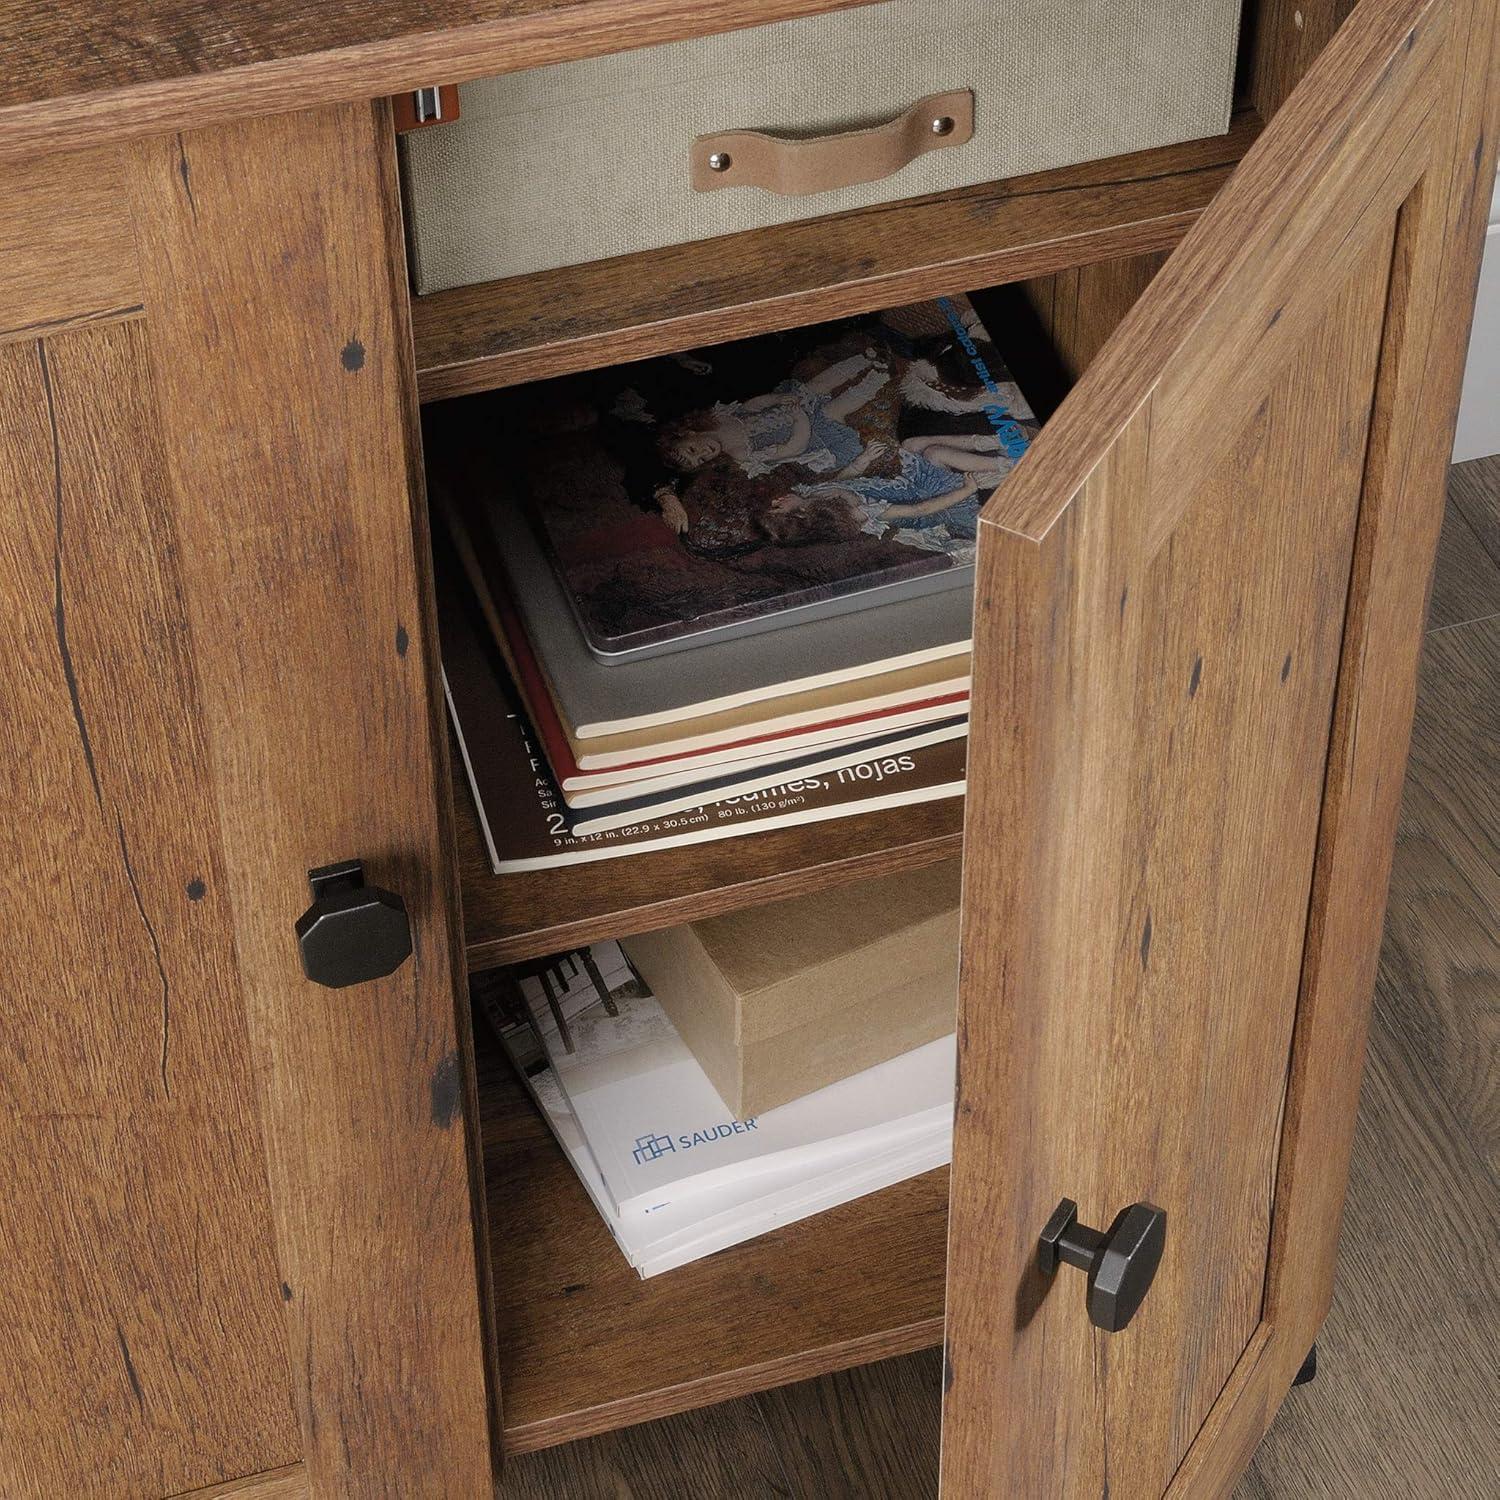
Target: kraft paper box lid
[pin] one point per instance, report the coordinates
(778, 1000)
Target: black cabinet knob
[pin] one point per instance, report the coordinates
(1121, 1263)
(352, 931)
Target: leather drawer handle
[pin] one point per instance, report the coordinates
(752, 158)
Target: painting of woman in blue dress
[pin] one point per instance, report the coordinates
(935, 496)
(730, 483)
(802, 422)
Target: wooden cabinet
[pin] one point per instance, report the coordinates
(259, 1228)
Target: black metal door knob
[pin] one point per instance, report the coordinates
(1121, 1263)
(352, 931)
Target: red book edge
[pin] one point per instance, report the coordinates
(537, 697)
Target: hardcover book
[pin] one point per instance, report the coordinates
(593, 770)
(841, 658)
(527, 825)
(767, 481)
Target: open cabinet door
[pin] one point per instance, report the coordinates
(1198, 616)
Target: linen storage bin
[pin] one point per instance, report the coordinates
(596, 158)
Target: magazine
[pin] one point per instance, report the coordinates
(652, 801)
(656, 1126)
(759, 483)
(737, 1208)
(527, 826)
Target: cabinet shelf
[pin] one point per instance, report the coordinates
(508, 918)
(586, 1346)
(580, 317)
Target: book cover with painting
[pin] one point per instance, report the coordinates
(763, 482)
(526, 824)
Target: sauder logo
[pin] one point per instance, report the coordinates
(654, 1147)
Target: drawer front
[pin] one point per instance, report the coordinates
(590, 159)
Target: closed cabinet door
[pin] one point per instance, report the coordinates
(235, 1148)
(1197, 620)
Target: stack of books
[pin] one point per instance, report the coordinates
(725, 591)
(671, 1171)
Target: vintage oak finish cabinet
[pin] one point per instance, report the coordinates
(269, 1239)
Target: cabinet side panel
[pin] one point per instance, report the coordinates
(144, 1349)
(1079, 308)
(283, 367)
(1286, 37)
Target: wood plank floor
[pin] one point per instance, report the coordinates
(1404, 1404)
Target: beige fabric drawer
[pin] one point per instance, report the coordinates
(590, 159)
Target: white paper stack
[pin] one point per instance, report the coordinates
(672, 1173)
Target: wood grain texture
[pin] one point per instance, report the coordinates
(1189, 424)
(1475, 491)
(863, 1432)
(439, 739)
(1365, 103)
(144, 1353)
(528, 327)
(716, 1453)
(1079, 308)
(279, 354)
(587, 1346)
(512, 917)
(1132, 1040)
(1404, 1400)
(1439, 236)
(1284, 38)
(287, 1483)
(69, 255)
(870, 1431)
(78, 74)
(1226, 1442)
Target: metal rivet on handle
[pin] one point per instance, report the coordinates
(720, 161)
(943, 125)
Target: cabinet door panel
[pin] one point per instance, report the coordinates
(281, 356)
(1172, 589)
(239, 1217)
(144, 1349)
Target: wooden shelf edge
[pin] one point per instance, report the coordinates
(559, 322)
(580, 904)
(771, 313)
(690, 1395)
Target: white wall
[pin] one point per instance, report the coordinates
(1479, 416)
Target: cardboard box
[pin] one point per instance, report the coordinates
(778, 1000)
